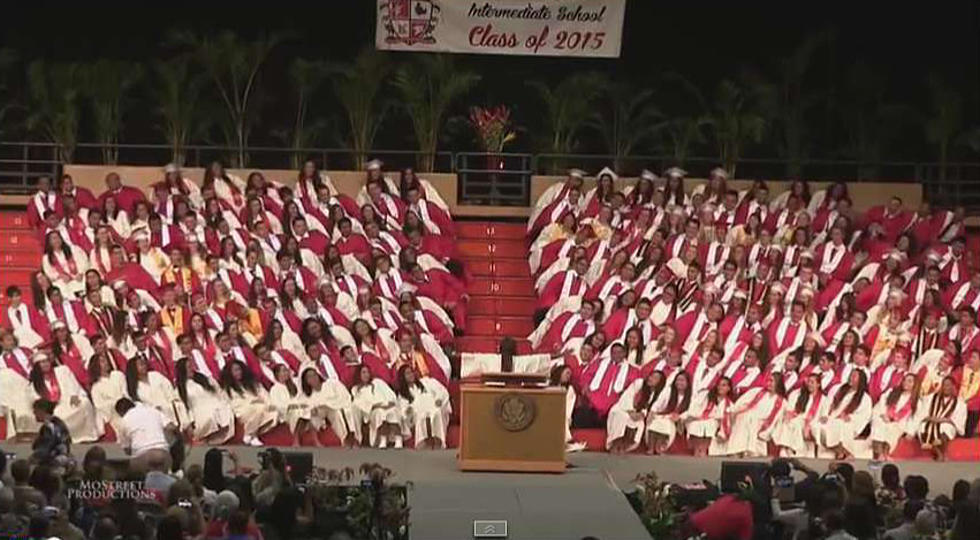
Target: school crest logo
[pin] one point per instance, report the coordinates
(514, 412)
(409, 21)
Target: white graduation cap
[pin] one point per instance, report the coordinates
(676, 172)
(171, 168)
(58, 324)
(40, 355)
(677, 266)
(576, 173)
(648, 175)
(607, 171)
(778, 286)
(739, 293)
(719, 172)
(816, 336)
(806, 254)
(141, 234)
(374, 164)
(118, 285)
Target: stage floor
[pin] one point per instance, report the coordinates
(586, 500)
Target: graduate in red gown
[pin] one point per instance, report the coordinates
(564, 284)
(606, 379)
(892, 218)
(126, 196)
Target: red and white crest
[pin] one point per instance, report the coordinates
(409, 21)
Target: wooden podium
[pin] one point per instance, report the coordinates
(511, 423)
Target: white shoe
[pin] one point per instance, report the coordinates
(398, 442)
(247, 440)
(575, 447)
(382, 441)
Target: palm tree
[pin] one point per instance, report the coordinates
(946, 120)
(735, 121)
(177, 92)
(870, 121)
(787, 101)
(568, 106)
(233, 65)
(105, 83)
(687, 125)
(307, 76)
(358, 87)
(53, 105)
(429, 85)
(628, 119)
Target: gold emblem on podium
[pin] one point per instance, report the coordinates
(514, 412)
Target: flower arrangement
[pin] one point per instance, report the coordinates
(374, 508)
(492, 126)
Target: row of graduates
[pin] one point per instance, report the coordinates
(734, 271)
(204, 396)
(808, 403)
(377, 249)
(308, 275)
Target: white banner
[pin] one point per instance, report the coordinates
(543, 28)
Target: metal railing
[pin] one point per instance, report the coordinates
(494, 179)
(500, 179)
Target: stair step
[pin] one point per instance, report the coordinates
(499, 267)
(502, 287)
(16, 276)
(492, 249)
(494, 305)
(14, 220)
(30, 258)
(18, 239)
(490, 229)
(499, 326)
(481, 344)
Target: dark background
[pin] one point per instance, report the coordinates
(903, 42)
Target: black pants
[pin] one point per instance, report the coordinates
(972, 419)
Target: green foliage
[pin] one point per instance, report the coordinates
(734, 120)
(53, 96)
(651, 501)
(177, 89)
(628, 118)
(105, 83)
(307, 77)
(358, 86)
(568, 106)
(945, 119)
(429, 85)
(8, 57)
(233, 64)
(338, 492)
(686, 127)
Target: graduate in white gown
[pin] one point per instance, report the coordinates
(15, 389)
(58, 385)
(154, 390)
(664, 422)
(893, 417)
(375, 408)
(561, 376)
(626, 423)
(844, 417)
(211, 416)
(709, 426)
(249, 401)
(329, 402)
(293, 409)
(425, 408)
(755, 415)
(795, 434)
(940, 418)
(108, 385)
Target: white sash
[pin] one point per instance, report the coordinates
(569, 326)
(954, 271)
(694, 338)
(239, 355)
(600, 374)
(736, 330)
(70, 321)
(829, 264)
(714, 263)
(44, 202)
(200, 364)
(781, 331)
(839, 334)
(25, 317)
(568, 283)
(961, 295)
(22, 359)
(607, 288)
(556, 212)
